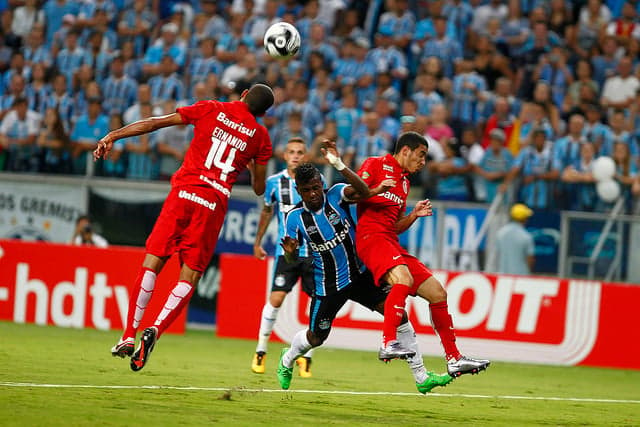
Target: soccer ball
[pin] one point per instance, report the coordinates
(282, 40)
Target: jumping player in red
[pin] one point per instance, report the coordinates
(227, 139)
(380, 219)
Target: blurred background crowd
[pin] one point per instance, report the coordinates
(520, 94)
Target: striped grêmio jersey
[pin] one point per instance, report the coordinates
(330, 235)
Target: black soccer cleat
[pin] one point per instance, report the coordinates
(147, 343)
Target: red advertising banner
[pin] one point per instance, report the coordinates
(76, 286)
(500, 317)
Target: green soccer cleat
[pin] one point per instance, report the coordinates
(284, 374)
(434, 380)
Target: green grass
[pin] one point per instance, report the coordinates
(47, 355)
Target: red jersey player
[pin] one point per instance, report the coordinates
(380, 219)
(227, 139)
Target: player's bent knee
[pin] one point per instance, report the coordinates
(317, 339)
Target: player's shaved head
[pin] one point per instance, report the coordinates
(306, 172)
(412, 140)
(259, 98)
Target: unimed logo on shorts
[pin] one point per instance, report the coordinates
(197, 199)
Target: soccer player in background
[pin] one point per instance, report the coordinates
(325, 223)
(380, 219)
(227, 139)
(281, 196)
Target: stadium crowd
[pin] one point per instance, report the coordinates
(524, 93)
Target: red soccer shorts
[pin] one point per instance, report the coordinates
(381, 252)
(189, 223)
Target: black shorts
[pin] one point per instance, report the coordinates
(323, 309)
(287, 275)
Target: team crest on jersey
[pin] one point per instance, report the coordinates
(334, 218)
(324, 324)
(387, 168)
(279, 282)
(365, 175)
(405, 186)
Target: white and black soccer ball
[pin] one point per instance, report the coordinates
(282, 40)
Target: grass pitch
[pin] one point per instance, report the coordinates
(206, 380)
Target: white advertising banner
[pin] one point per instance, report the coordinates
(39, 212)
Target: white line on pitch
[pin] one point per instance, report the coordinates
(360, 393)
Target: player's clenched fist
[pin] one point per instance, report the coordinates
(423, 208)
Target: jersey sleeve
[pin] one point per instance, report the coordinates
(192, 113)
(292, 226)
(336, 193)
(266, 149)
(368, 172)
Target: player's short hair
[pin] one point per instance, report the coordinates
(259, 99)
(305, 172)
(296, 139)
(410, 139)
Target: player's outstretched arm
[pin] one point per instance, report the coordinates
(422, 208)
(136, 128)
(357, 188)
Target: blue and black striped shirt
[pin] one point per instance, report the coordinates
(330, 234)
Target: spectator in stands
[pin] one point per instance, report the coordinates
(442, 46)
(578, 180)
(438, 129)
(383, 89)
(472, 152)
(132, 64)
(560, 17)
(88, 129)
(390, 126)
(171, 144)
(593, 19)
(626, 169)
(89, 9)
(108, 41)
(502, 119)
(583, 77)
(468, 92)
(514, 244)
(495, 9)
(619, 134)
(136, 25)
(245, 67)
(72, 57)
(38, 90)
(553, 70)
(425, 95)
(566, 150)
(349, 27)
(347, 118)
(515, 31)
(204, 63)
(24, 18)
(322, 95)
(606, 63)
(594, 130)
(61, 100)
(139, 149)
(115, 165)
(16, 90)
(460, 15)
(119, 89)
(293, 128)
(370, 141)
(17, 67)
(619, 91)
(54, 144)
(308, 18)
(364, 76)
(18, 134)
(538, 169)
(387, 58)
(496, 162)
(167, 84)
(311, 116)
(167, 44)
(257, 24)
(84, 234)
(55, 12)
(542, 95)
(228, 51)
(626, 26)
(451, 173)
(401, 21)
(489, 63)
